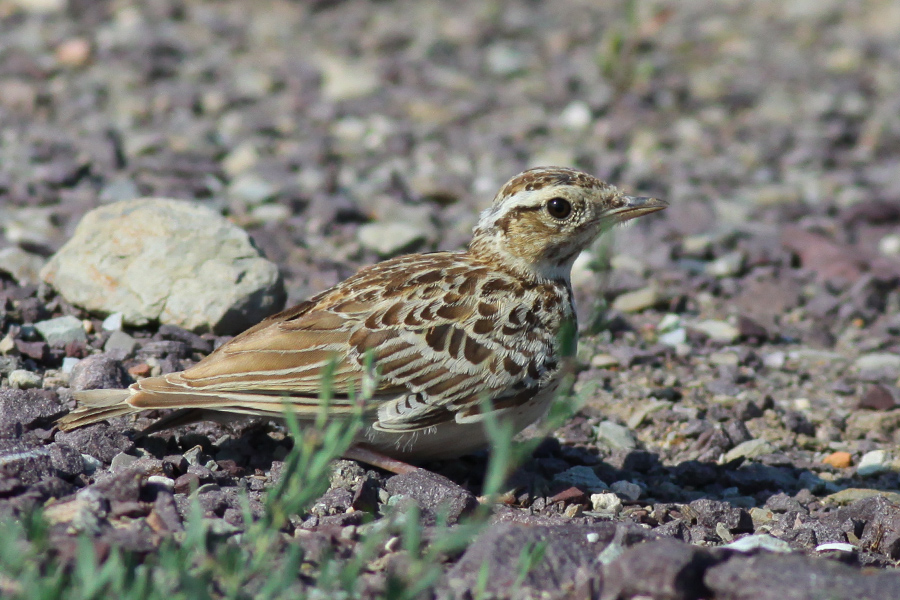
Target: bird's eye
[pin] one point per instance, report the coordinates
(559, 208)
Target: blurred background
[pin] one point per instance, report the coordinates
(339, 133)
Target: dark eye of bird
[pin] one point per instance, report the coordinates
(559, 208)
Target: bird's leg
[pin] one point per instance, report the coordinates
(365, 454)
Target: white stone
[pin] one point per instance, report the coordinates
(727, 265)
(877, 360)
(762, 541)
(576, 116)
(873, 463)
(889, 245)
(69, 363)
(673, 338)
(637, 300)
(113, 322)
(607, 503)
(23, 380)
(669, 322)
(719, 331)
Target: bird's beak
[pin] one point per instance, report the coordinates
(634, 207)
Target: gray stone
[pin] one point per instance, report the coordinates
(615, 436)
(28, 409)
(584, 478)
(99, 371)
(568, 560)
(62, 330)
(768, 576)
(749, 449)
(662, 569)
(168, 261)
(120, 344)
(626, 489)
(23, 266)
(387, 238)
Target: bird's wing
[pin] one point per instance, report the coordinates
(438, 342)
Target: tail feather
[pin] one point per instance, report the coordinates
(97, 405)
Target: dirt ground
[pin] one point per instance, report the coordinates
(740, 351)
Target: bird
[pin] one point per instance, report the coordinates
(435, 340)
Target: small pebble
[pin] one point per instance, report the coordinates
(718, 331)
(761, 541)
(638, 300)
(873, 463)
(23, 380)
(113, 322)
(838, 460)
(607, 503)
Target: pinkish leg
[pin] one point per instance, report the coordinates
(377, 459)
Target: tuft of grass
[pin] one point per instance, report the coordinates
(263, 562)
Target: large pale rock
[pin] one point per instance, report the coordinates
(169, 261)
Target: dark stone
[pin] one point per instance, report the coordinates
(66, 460)
(755, 477)
(783, 503)
(365, 496)
(99, 372)
(38, 351)
(196, 342)
(737, 432)
(709, 513)
(334, 501)
(22, 465)
(798, 423)
(878, 397)
(674, 529)
(434, 494)
(881, 529)
(164, 348)
(23, 410)
(165, 513)
(187, 483)
(695, 474)
(101, 441)
(768, 576)
(213, 501)
(662, 570)
(567, 565)
(751, 330)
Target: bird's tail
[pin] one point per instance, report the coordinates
(97, 405)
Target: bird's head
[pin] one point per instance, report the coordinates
(544, 217)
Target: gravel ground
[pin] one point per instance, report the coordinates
(740, 351)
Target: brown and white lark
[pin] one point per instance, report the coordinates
(444, 330)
